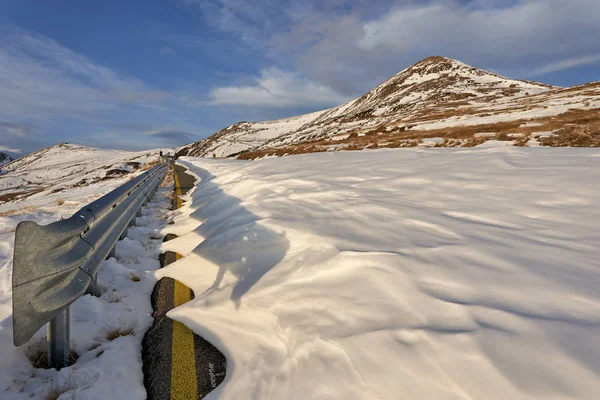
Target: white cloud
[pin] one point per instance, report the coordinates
(167, 51)
(41, 78)
(4, 148)
(489, 31)
(566, 64)
(19, 130)
(352, 52)
(278, 89)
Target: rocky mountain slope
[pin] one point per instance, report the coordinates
(427, 104)
(4, 158)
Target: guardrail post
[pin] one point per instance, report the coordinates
(93, 286)
(113, 252)
(59, 339)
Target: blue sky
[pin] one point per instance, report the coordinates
(138, 75)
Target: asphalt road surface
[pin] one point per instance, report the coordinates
(177, 363)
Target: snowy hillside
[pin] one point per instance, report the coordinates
(435, 94)
(53, 172)
(397, 274)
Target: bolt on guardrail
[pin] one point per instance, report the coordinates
(55, 264)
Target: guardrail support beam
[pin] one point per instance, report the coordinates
(59, 339)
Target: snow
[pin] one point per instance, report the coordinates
(496, 143)
(105, 369)
(59, 171)
(431, 142)
(390, 274)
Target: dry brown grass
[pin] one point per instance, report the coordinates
(146, 167)
(169, 180)
(69, 384)
(576, 128)
(123, 327)
(113, 297)
(94, 346)
(574, 136)
(37, 354)
(114, 333)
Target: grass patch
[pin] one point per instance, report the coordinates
(118, 332)
(39, 358)
(69, 384)
(113, 297)
(124, 328)
(94, 346)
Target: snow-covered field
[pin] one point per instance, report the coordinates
(108, 367)
(397, 274)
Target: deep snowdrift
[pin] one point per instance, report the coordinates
(397, 274)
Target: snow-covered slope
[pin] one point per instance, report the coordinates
(437, 92)
(54, 170)
(397, 274)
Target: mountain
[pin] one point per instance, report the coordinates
(65, 166)
(435, 102)
(4, 158)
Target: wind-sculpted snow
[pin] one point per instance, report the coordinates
(397, 274)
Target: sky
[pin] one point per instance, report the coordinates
(137, 75)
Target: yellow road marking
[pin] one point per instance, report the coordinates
(178, 201)
(184, 383)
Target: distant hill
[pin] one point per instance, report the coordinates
(65, 166)
(5, 158)
(436, 102)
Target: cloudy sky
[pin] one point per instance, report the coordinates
(134, 75)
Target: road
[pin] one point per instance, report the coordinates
(177, 363)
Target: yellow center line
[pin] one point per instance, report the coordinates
(184, 384)
(178, 201)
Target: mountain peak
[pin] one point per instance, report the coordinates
(433, 60)
(434, 88)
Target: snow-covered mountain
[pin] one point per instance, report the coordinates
(55, 170)
(434, 93)
(4, 158)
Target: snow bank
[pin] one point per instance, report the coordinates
(397, 274)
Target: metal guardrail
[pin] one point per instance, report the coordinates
(55, 264)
